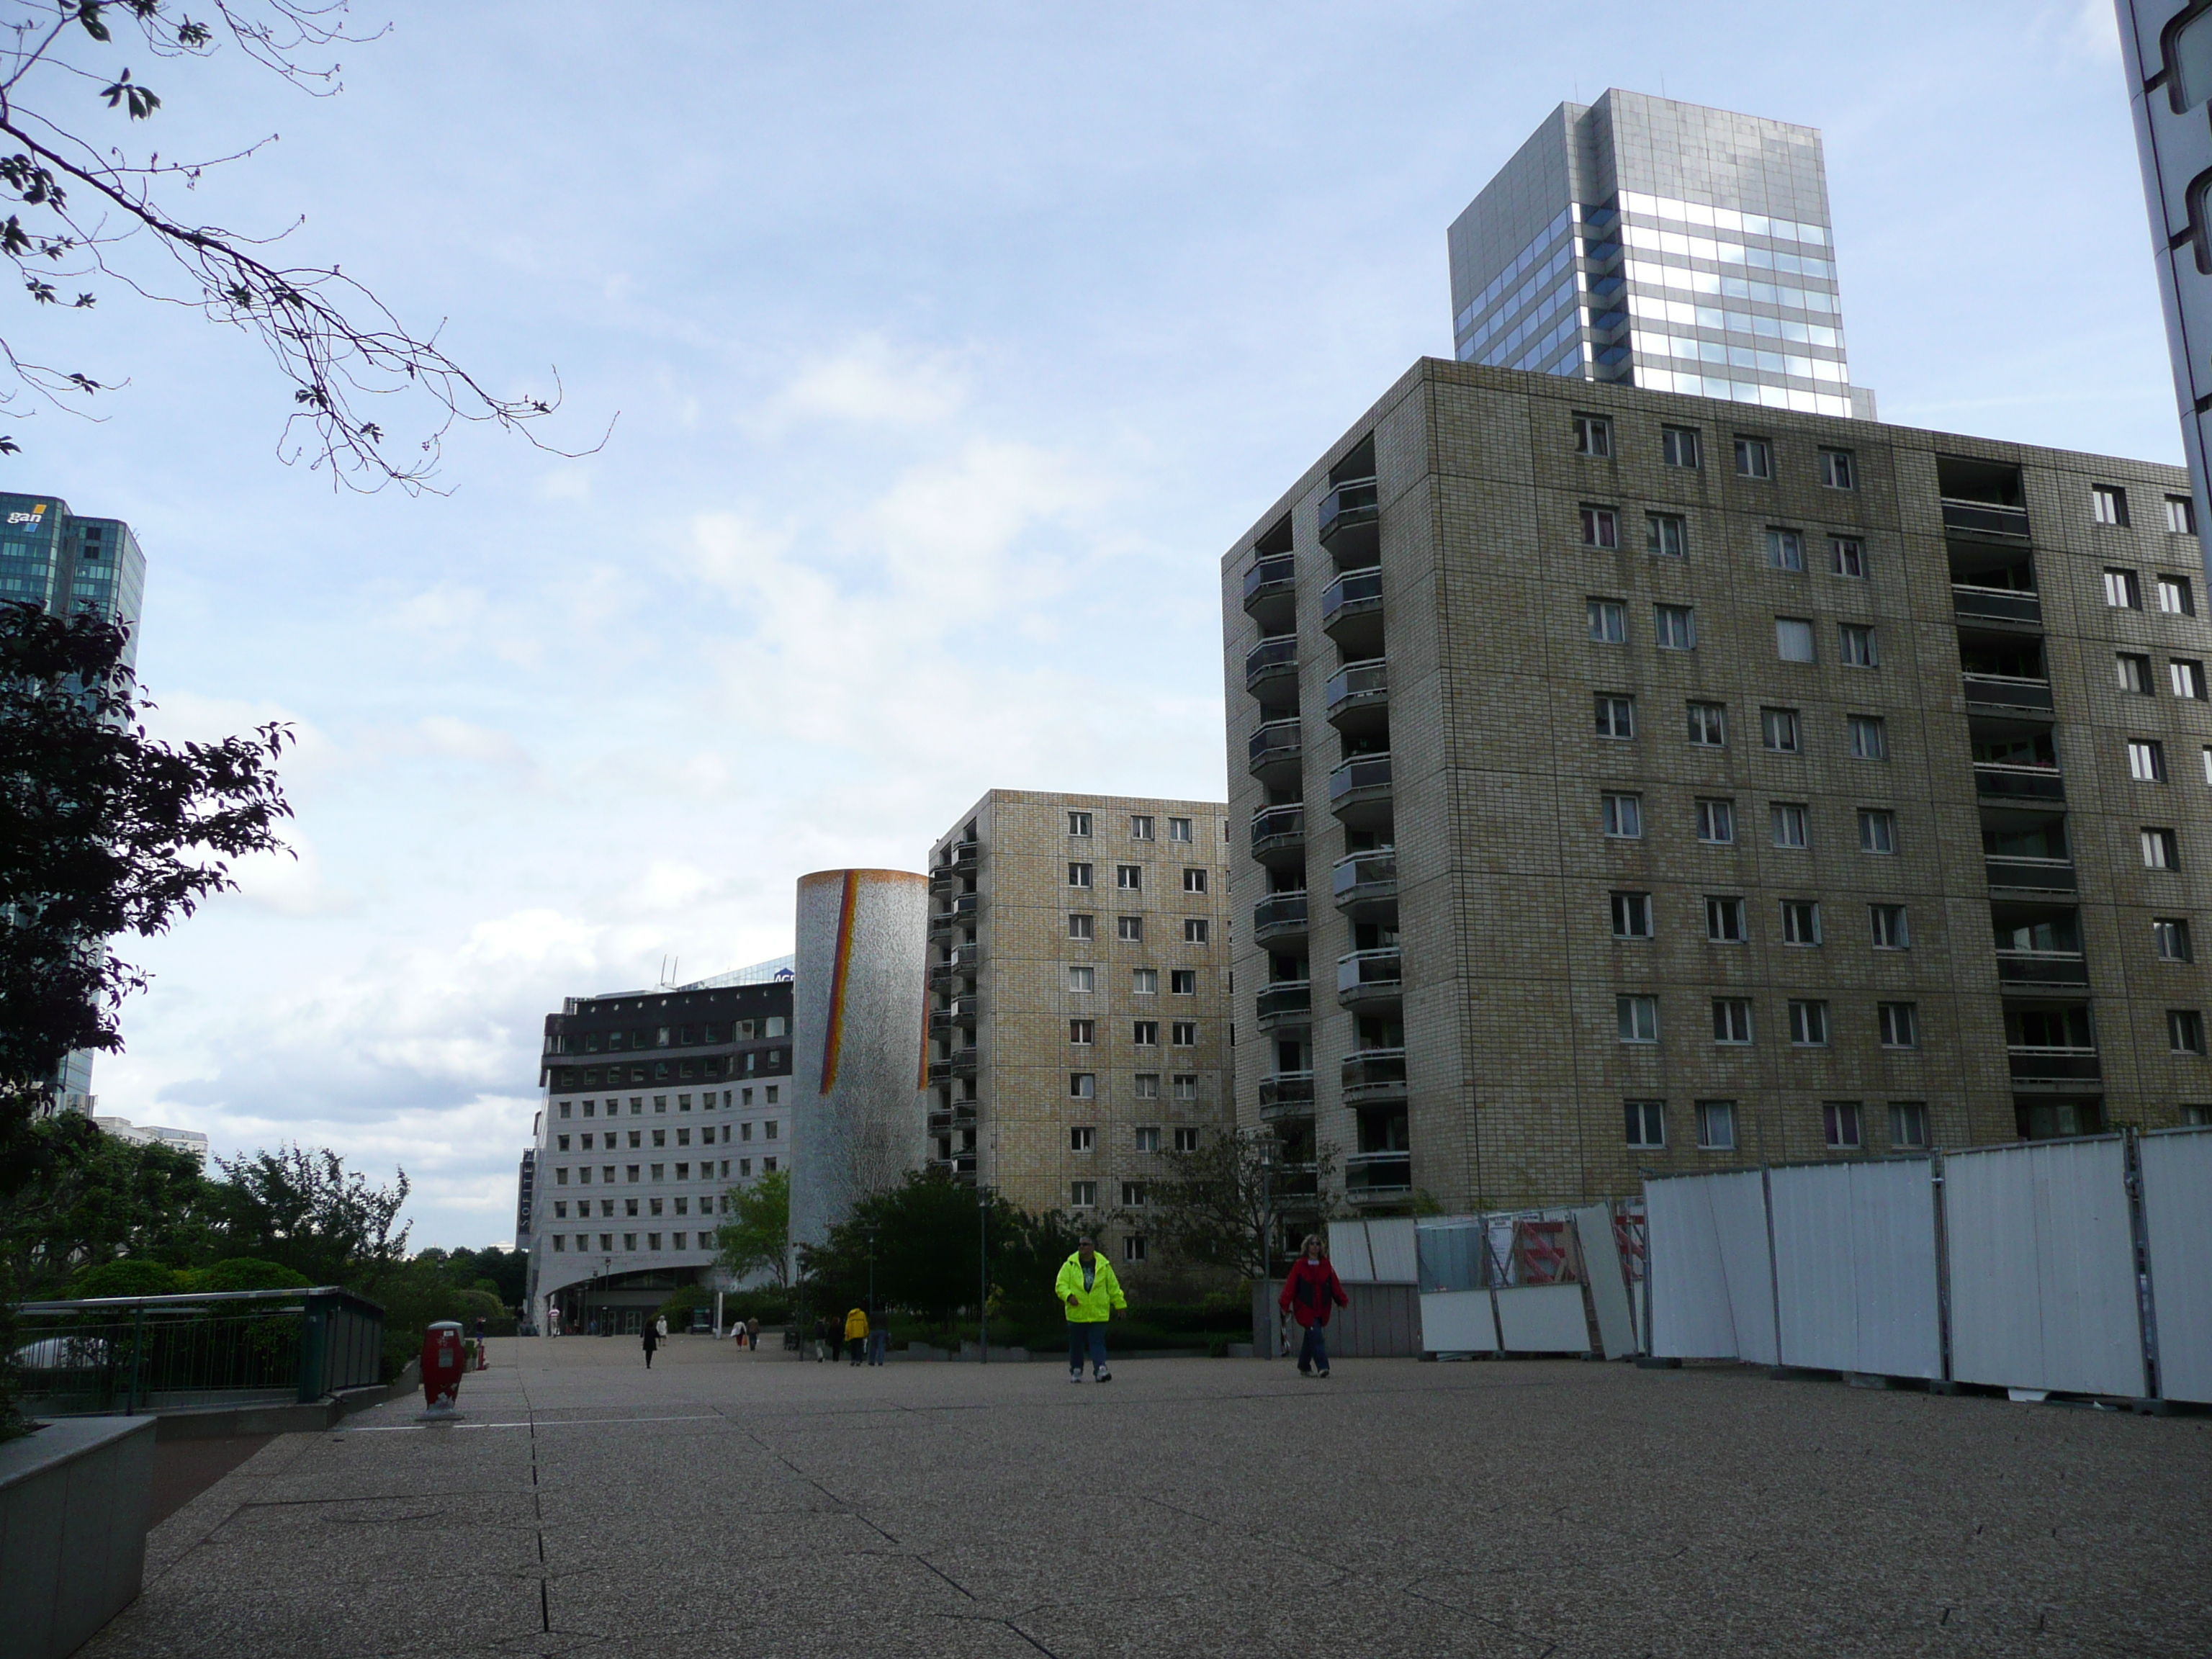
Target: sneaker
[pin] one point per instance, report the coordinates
(1322, 1375)
(1105, 1376)
(1075, 1376)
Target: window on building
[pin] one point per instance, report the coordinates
(1185, 1087)
(1078, 875)
(1788, 821)
(1754, 458)
(1129, 877)
(1637, 1018)
(1600, 528)
(1130, 930)
(1840, 1118)
(2170, 935)
(1194, 879)
(1148, 1138)
(1888, 924)
(1179, 830)
(2133, 673)
(1847, 557)
(1195, 930)
(1182, 981)
(2184, 1031)
(2161, 850)
(1133, 1248)
(1858, 645)
(1082, 980)
(1593, 435)
(2196, 1116)
(1877, 829)
(1717, 1126)
(1081, 927)
(1777, 730)
(1708, 724)
(564, 1107)
(1800, 921)
(1079, 823)
(2147, 760)
(1838, 469)
(1134, 1195)
(2174, 597)
(2108, 504)
(2187, 677)
(1608, 622)
(2181, 516)
(1144, 1033)
(1632, 915)
(1145, 981)
(1717, 822)
(1084, 1031)
(1677, 627)
(1186, 1139)
(1621, 815)
(1732, 1020)
(1792, 638)
(1140, 826)
(1869, 738)
(1908, 1123)
(1785, 549)
(1148, 1085)
(561, 1242)
(1083, 1138)
(1667, 535)
(1616, 714)
(1183, 1033)
(1900, 1023)
(1724, 922)
(1082, 1194)
(1808, 1022)
(2122, 589)
(1647, 1123)
(1678, 447)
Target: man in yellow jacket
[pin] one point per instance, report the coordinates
(1089, 1292)
(856, 1332)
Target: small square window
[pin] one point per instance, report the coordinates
(2122, 589)
(1754, 458)
(1858, 645)
(1185, 1087)
(1732, 1020)
(1144, 1033)
(1908, 1123)
(1195, 929)
(1777, 730)
(2161, 850)
(1877, 829)
(2181, 516)
(1182, 981)
(1083, 1138)
(1677, 627)
(1081, 928)
(1608, 622)
(1148, 1138)
(1183, 1033)
(1193, 879)
(1709, 724)
(1678, 447)
(1186, 1140)
(1134, 1195)
(1647, 1123)
(1601, 528)
(1717, 823)
(1129, 929)
(1724, 921)
(2133, 673)
(1717, 1126)
(1621, 815)
(1145, 981)
(1838, 469)
(2170, 935)
(1593, 435)
(1800, 921)
(1132, 1247)
(1129, 877)
(2184, 1031)
(1869, 738)
(1788, 821)
(1792, 638)
(1785, 551)
(2147, 760)
(1079, 823)
(1809, 1024)
(1179, 830)
(1082, 1194)
(2175, 598)
(1140, 827)
(1668, 535)
(1083, 1032)
(1616, 714)
(1632, 915)
(2187, 677)
(1081, 980)
(1637, 1018)
(1078, 875)
(1900, 1023)
(1840, 1118)
(1847, 557)
(1886, 923)
(2108, 504)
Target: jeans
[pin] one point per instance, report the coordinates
(878, 1341)
(1314, 1350)
(1091, 1334)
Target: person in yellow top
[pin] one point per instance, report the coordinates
(1089, 1292)
(856, 1332)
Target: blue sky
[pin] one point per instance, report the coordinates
(951, 345)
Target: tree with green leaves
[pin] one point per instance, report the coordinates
(1229, 1204)
(92, 209)
(305, 1209)
(101, 1200)
(754, 1237)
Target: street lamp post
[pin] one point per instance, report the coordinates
(1264, 1140)
(983, 1274)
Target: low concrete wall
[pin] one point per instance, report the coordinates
(74, 1498)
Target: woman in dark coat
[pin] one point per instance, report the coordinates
(1310, 1294)
(652, 1341)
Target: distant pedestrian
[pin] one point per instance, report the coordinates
(1310, 1294)
(752, 1333)
(1089, 1293)
(480, 1328)
(553, 1319)
(880, 1331)
(661, 1325)
(856, 1332)
(652, 1341)
(822, 1339)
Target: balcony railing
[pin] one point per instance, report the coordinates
(1984, 519)
(2042, 968)
(959, 912)
(1285, 1002)
(1359, 688)
(963, 862)
(1276, 746)
(1278, 916)
(2035, 1064)
(1365, 878)
(2031, 875)
(1271, 660)
(1378, 1174)
(962, 1166)
(1269, 586)
(961, 966)
(2025, 784)
(1373, 1074)
(943, 1120)
(1348, 520)
(1366, 976)
(1278, 830)
(1287, 1094)
(961, 1063)
(2008, 691)
(1355, 595)
(1361, 783)
(2002, 605)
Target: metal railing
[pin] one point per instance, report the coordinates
(1985, 518)
(1374, 1075)
(1363, 778)
(1287, 1094)
(1267, 578)
(2042, 968)
(132, 1354)
(1284, 999)
(1279, 913)
(1355, 594)
(1275, 744)
(1277, 829)
(2028, 874)
(1372, 1174)
(2011, 605)
(1272, 659)
(2042, 1063)
(2007, 691)
(1351, 507)
(1358, 685)
(2033, 783)
(1366, 877)
(1367, 976)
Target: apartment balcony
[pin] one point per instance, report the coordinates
(1351, 613)
(1374, 1077)
(1365, 979)
(1280, 916)
(2042, 969)
(1984, 519)
(2006, 606)
(1359, 791)
(1286, 1095)
(1276, 752)
(960, 1063)
(1285, 1002)
(1278, 836)
(1358, 696)
(944, 1119)
(960, 913)
(944, 879)
(2031, 875)
(2008, 691)
(961, 1016)
(1351, 523)
(2052, 1068)
(961, 1168)
(943, 975)
(2020, 786)
(1371, 1177)
(1271, 596)
(1271, 662)
(1365, 884)
(963, 862)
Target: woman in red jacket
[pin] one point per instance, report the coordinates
(1311, 1293)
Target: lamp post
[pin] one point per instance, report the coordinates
(606, 1273)
(1263, 1141)
(983, 1274)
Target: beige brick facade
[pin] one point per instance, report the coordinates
(1515, 1076)
(1010, 1087)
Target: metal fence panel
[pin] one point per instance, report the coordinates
(1855, 1263)
(1348, 1253)
(1616, 1321)
(1377, 1322)
(1390, 1243)
(1449, 1254)
(1457, 1321)
(2177, 1181)
(1712, 1287)
(1542, 1319)
(2042, 1269)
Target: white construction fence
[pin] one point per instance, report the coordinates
(2075, 1267)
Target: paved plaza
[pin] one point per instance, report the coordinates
(730, 1504)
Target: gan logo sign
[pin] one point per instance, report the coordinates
(33, 518)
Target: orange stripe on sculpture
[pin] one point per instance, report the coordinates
(834, 1035)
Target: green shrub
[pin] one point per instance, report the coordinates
(125, 1278)
(243, 1272)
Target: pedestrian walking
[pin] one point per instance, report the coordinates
(1088, 1293)
(652, 1341)
(1310, 1294)
(752, 1333)
(880, 1331)
(822, 1339)
(553, 1319)
(856, 1332)
(661, 1325)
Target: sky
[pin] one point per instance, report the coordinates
(946, 347)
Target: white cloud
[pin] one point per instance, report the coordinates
(869, 382)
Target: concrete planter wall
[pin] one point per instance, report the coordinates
(73, 1503)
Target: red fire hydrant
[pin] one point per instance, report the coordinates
(442, 1367)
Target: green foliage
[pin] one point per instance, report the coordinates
(308, 1211)
(93, 1198)
(130, 1276)
(243, 1272)
(754, 1237)
(771, 1306)
(1224, 1205)
(504, 1273)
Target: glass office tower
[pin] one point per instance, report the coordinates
(1660, 245)
(53, 559)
